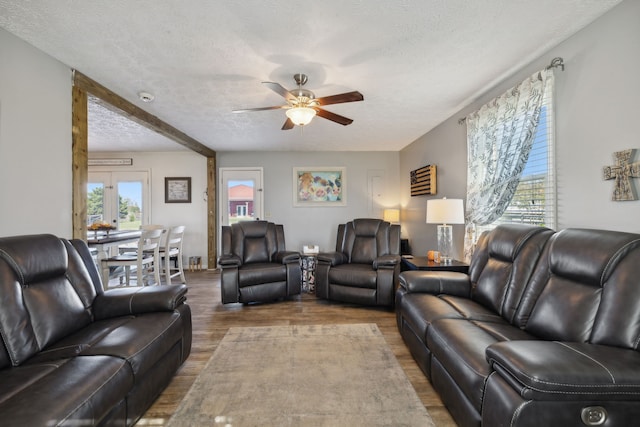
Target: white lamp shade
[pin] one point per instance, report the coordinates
(445, 211)
(391, 215)
(301, 115)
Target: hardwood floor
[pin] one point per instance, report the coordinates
(211, 320)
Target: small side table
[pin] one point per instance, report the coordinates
(422, 263)
(308, 266)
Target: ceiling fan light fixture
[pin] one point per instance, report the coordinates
(301, 116)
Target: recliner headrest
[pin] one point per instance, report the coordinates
(366, 227)
(253, 228)
(507, 240)
(589, 256)
(34, 257)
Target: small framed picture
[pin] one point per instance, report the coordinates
(177, 190)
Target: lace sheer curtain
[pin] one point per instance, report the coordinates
(499, 137)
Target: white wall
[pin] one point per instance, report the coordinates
(172, 164)
(319, 225)
(597, 110)
(35, 141)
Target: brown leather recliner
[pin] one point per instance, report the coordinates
(365, 265)
(255, 265)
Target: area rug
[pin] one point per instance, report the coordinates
(312, 375)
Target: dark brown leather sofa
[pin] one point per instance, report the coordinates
(364, 267)
(73, 354)
(543, 331)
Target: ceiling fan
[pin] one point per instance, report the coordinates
(302, 105)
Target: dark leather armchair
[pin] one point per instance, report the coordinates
(255, 265)
(365, 265)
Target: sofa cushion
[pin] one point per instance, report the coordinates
(254, 241)
(255, 250)
(40, 304)
(366, 239)
(503, 263)
(141, 340)
(583, 288)
(260, 273)
(356, 275)
(75, 391)
(459, 346)
(419, 311)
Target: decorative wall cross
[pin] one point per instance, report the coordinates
(622, 171)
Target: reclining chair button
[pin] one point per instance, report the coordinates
(594, 415)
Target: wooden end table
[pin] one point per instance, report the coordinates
(422, 263)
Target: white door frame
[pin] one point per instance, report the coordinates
(240, 174)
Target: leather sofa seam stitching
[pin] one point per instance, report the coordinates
(613, 379)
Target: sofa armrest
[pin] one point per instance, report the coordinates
(146, 299)
(545, 370)
(229, 261)
(386, 261)
(332, 258)
(436, 282)
(285, 257)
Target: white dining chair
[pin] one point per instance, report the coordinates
(146, 260)
(172, 250)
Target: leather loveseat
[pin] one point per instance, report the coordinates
(543, 331)
(73, 354)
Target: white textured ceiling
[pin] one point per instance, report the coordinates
(416, 62)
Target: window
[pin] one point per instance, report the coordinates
(511, 168)
(534, 201)
(118, 198)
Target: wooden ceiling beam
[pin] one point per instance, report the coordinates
(118, 104)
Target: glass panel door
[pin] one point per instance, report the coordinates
(130, 206)
(241, 195)
(118, 198)
(98, 205)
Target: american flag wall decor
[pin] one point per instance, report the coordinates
(423, 181)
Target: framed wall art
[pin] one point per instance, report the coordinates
(423, 181)
(177, 190)
(319, 186)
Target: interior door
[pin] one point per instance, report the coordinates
(241, 195)
(118, 198)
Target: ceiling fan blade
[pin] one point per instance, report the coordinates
(288, 124)
(333, 117)
(277, 107)
(339, 99)
(280, 90)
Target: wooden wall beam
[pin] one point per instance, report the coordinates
(212, 216)
(80, 174)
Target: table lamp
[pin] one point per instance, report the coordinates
(391, 215)
(445, 212)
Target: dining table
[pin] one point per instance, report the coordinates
(103, 241)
